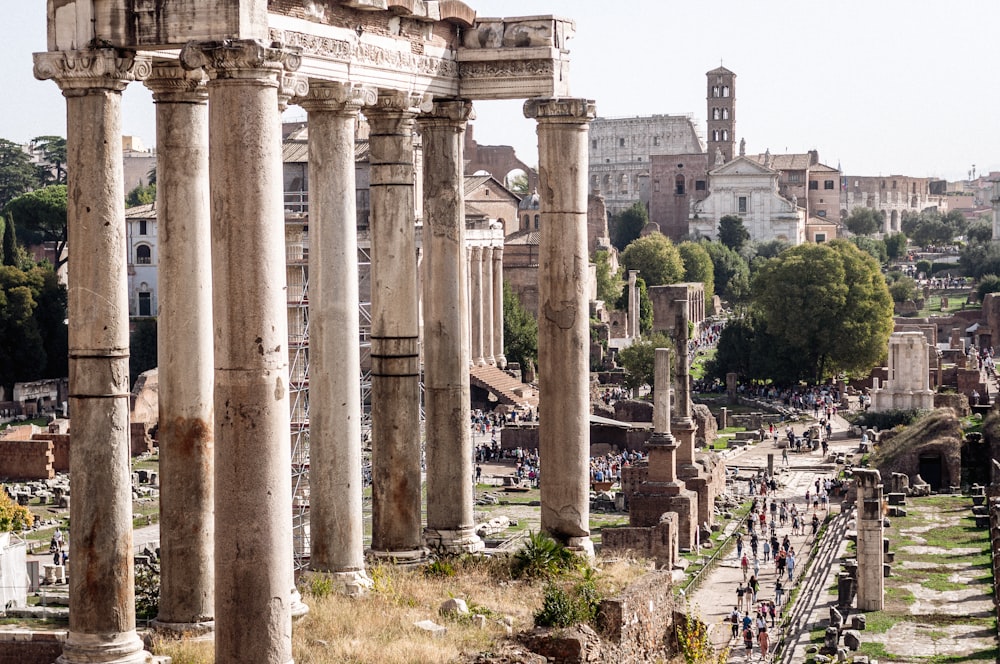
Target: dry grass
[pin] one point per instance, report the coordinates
(379, 627)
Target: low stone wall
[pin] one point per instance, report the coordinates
(637, 625)
(28, 647)
(26, 459)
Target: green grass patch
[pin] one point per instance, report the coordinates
(939, 582)
(875, 650)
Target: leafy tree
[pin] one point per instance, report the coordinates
(770, 248)
(955, 220)
(627, 226)
(51, 317)
(732, 232)
(827, 305)
(980, 231)
(520, 330)
(53, 150)
(865, 221)
(638, 360)
(140, 195)
(925, 266)
(988, 283)
(151, 179)
(13, 517)
(895, 245)
(732, 274)
(698, 266)
(17, 173)
(869, 245)
(931, 232)
(656, 258)
(902, 289)
(609, 285)
(41, 216)
(142, 348)
(22, 353)
(908, 221)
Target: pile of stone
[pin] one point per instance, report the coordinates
(979, 508)
(841, 638)
(53, 491)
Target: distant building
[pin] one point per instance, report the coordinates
(891, 194)
(143, 258)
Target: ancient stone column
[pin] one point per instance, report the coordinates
(487, 306)
(633, 305)
(101, 573)
(253, 499)
(335, 481)
(395, 375)
(563, 321)
(695, 477)
(476, 304)
(871, 531)
(450, 493)
(498, 355)
(185, 352)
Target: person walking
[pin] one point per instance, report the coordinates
(734, 618)
(767, 549)
(745, 566)
(756, 566)
(753, 587)
(763, 643)
(790, 564)
(739, 546)
(779, 592)
(740, 593)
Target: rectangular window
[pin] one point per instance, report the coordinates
(813, 185)
(142, 227)
(828, 184)
(893, 184)
(794, 177)
(699, 185)
(656, 140)
(145, 304)
(593, 144)
(621, 142)
(820, 238)
(742, 205)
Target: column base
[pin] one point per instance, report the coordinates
(464, 540)
(355, 583)
(582, 546)
(479, 362)
(403, 558)
(298, 607)
(194, 631)
(501, 361)
(121, 648)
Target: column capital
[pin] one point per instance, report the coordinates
(241, 59)
(290, 86)
(570, 110)
(171, 83)
(394, 102)
(449, 112)
(78, 71)
(336, 97)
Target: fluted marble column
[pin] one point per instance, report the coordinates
(563, 321)
(101, 573)
(497, 285)
(450, 494)
(487, 307)
(335, 516)
(395, 375)
(184, 349)
(253, 504)
(684, 424)
(476, 303)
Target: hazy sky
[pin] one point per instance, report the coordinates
(882, 87)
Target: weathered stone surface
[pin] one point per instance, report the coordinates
(858, 621)
(708, 427)
(574, 645)
(454, 605)
(628, 410)
(852, 639)
(431, 627)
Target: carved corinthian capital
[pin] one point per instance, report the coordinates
(337, 97)
(172, 83)
(450, 112)
(245, 58)
(104, 68)
(560, 109)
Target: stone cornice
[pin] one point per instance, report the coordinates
(246, 58)
(560, 109)
(337, 97)
(170, 82)
(105, 68)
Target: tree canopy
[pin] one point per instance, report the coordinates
(645, 305)
(40, 217)
(895, 245)
(865, 221)
(627, 226)
(520, 330)
(698, 266)
(53, 149)
(828, 306)
(732, 232)
(32, 311)
(875, 248)
(609, 285)
(17, 173)
(731, 272)
(979, 231)
(656, 258)
(140, 195)
(638, 360)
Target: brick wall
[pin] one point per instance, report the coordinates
(60, 449)
(19, 647)
(26, 459)
(637, 625)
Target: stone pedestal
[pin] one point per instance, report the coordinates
(185, 351)
(253, 504)
(102, 584)
(450, 491)
(871, 556)
(335, 514)
(395, 375)
(563, 321)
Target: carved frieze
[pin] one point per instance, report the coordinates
(92, 68)
(232, 58)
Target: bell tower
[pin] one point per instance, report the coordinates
(721, 114)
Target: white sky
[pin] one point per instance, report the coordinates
(880, 86)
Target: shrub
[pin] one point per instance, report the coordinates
(563, 607)
(543, 557)
(887, 419)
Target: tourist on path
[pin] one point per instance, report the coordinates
(790, 564)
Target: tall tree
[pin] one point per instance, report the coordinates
(656, 258)
(627, 226)
(639, 359)
(520, 330)
(17, 173)
(698, 266)
(865, 221)
(732, 232)
(828, 305)
(41, 217)
(895, 246)
(53, 149)
(732, 274)
(609, 285)
(140, 195)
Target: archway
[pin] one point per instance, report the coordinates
(894, 221)
(930, 469)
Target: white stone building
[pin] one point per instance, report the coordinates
(141, 237)
(908, 385)
(749, 190)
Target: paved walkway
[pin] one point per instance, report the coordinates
(716, 595)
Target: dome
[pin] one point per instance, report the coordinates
(531, 202)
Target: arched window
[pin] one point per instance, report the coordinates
(725, 114)
(679, 185)
(143, 255)
(716, 114)
(725, 90)
(715, 91)
(527, 222)
(715, 135)
(725, 134)
(536, 222)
